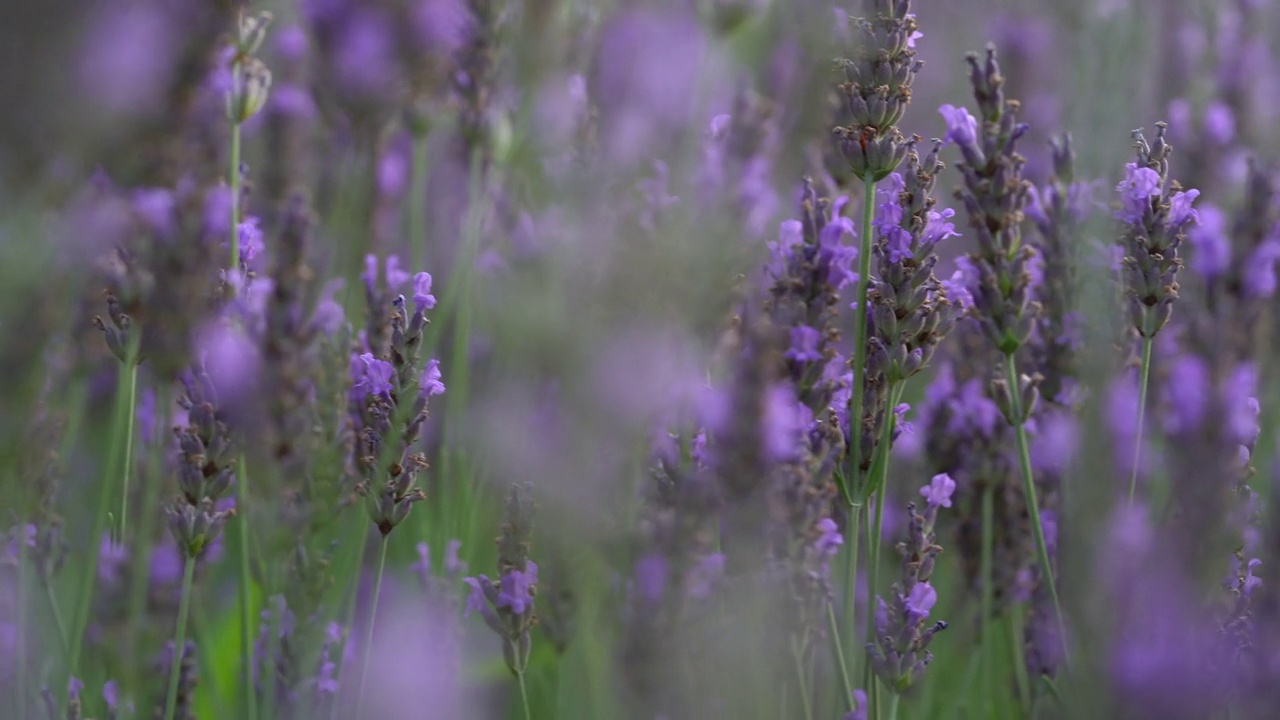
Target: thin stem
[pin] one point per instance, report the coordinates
(57, 616)
(802, 686)
(418, 202)
(1144, 376)
(179, 639)
(244, 582)
(524, 696)
(892, 712)
(851, 585)
(234, 182)
(1018, 656)
(854, 453)
(844, 669)
(1033, 505)
(84, 598)
(880, 468)
(141, 551)
(127, 467)
(367, 650)
(988, 592)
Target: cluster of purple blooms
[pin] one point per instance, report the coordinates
(744, 549)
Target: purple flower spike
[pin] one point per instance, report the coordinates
(515, 592)
(804, 344)
(111, 695)
(422, 296)
(430, 383)
(938, 492)
(1136, 190)
(251, 245)
(962, 128)
(921, 599)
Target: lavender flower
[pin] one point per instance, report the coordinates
(507, 604)
(900, 653)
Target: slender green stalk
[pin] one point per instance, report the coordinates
(892, 712)
(141, 550)
(367, 650)
(234, 182)
(179, 638)
(127, 467)
(988, 593)
(244, 583)
(844, 669)
(1033, 505)
(880, 474)
(1144, 377)
(56, 612)
(878, 482)
(84, 598)
(854, 452)
(801, 685)
(524, 696)
(418, 202)
(851, 587)
(1018, 656)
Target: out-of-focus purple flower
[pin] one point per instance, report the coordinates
(422, 296)
(861, 712)
(74, 687)
(962, 128)
(651, 577)
(374, 375)
(1260, 270)
(1187, 393)
(157, 206)
(1219, 122)
(785, 418)
(394, 276)
(126, 62)
(111, 695)
(1136, 190)
(971, 412)
(938, 492)
(804, 344)
(703, 576)
(1056, 442)
(250, 240)
(365, 55)
(829, 539)
(422, 565)
(476, 601)
(515, 589)
(393, 172)
(430, 383)
(231, 358)
(329, 315)
(1210, 240)
(111, 559)
(452, 564)
(217, 212)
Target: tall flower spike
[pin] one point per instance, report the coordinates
(899, 653)
(1156, 214)
(506, 604)
(877, 88)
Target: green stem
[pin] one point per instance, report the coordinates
(57, 617)
(1144, 376)
(988, 592)
(880, 473)
(141, 551)
(801, 685)
(1018, 656)
(524, 696)
(1033, 505)
(235, 193)
(418, 202)
(892, 712)
(844, 669)
(854, 453)
(851, 586)
(179, 639)
(367, 650)
(244, 584)
(84, 598)
(126, 469)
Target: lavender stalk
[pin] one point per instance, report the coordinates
(367, 650)
(179, 637)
